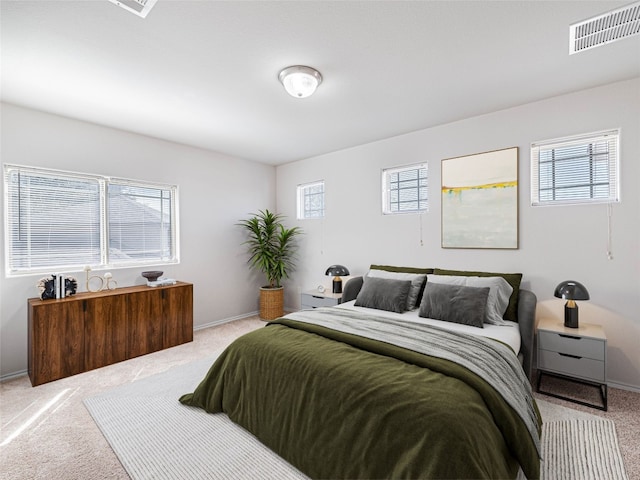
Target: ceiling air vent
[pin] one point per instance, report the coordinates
(606, 28)
(139, 7)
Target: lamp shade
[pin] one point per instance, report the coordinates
(571, 290)
(300, 81)
(337, 270)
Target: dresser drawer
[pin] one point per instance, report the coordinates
(585, 368)
(572, 345)
(308, 300)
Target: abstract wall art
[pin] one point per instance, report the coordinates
(480, 200)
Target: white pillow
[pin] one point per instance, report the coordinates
(417, 282)
(499, 293)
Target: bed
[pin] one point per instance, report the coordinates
(398, 381)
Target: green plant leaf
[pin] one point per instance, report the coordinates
(271, 246)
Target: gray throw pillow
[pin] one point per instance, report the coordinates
(514, 280)
(499, 292)
(384, 294)
(417, 284)
(455, 303)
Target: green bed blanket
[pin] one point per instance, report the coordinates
(337, 405)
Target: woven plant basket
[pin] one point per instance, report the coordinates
(271, 303)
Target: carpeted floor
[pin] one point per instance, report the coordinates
(48, 433)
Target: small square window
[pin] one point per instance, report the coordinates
(311, 200)
(404, 189)
(580, 169)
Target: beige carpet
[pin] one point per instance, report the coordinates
(46, 432)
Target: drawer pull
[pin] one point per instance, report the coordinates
(568, 355)
(315, 296)
(570, 336)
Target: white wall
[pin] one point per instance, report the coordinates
(215, 191)
(555, 243)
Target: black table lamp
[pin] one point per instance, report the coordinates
(571, 291)
(337, 271)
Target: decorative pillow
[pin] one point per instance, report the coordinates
(454, 303)
(393, 268)
(417, 283)
(514, 280)
(384, 294)
(499, 293)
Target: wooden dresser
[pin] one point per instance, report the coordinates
(90, 330)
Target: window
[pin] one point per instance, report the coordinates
(404, 189)
(61, 221)
(580, 169)
(311, 200)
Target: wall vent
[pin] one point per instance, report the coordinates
(139, 7)
(606, 28)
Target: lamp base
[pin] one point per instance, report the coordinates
(571, 316)
(337, 285)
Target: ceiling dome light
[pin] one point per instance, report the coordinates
(300, 81)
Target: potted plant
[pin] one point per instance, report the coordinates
(271, 248)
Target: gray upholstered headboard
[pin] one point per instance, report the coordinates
(527, 301)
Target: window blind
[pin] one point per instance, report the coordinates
(52, 220)
(579, 169)
(404, 189)
(61, 221)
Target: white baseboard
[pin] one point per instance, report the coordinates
(624, 386)
(224, 320)
(11, 376)
(238, 317)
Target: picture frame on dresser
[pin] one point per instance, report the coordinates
(574, 354)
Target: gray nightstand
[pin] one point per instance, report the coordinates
(315, 299)
(576, 354)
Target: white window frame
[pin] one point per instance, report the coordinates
(388, 188)
(22, 258)
(303, 191)
(604, 146)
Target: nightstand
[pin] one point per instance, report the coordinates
(315, 299)
(575, 354)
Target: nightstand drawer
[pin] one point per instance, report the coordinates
(312, 301)
(572, 345)
(581, 367)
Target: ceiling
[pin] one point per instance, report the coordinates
(204, 73)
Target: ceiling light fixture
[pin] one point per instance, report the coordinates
(300, 81)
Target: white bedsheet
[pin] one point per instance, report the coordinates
(509, 334)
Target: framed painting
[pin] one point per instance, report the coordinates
(480, 200)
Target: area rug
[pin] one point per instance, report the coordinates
(156, 437)
(581, 450)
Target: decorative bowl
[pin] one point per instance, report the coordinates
(152, 275)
